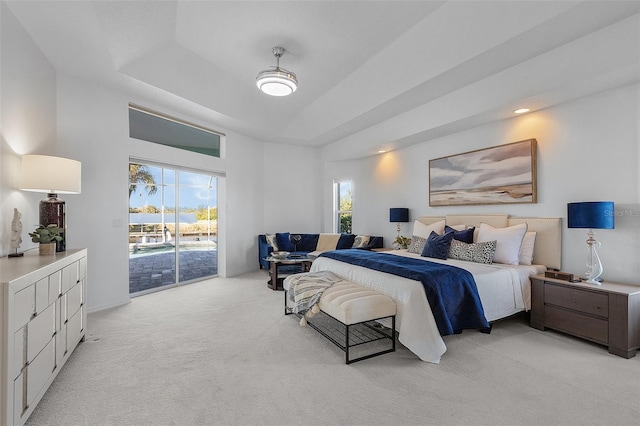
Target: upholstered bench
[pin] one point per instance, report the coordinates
(351, 316)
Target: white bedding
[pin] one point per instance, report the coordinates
(503, 290)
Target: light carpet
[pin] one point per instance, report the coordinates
(221, 352)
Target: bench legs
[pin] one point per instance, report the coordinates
(383, 335)
(353, 334)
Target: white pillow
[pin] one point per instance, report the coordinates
(509, 241)
(526, 249)
(458, 227)
(422, 230)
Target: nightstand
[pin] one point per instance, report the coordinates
(608, 314)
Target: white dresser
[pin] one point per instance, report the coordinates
(43, 320)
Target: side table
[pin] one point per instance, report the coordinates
(608, 314)
(276, 277)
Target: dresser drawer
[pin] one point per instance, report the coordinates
(583, 301)
(24, 303)
(588, 327)
(39, 370)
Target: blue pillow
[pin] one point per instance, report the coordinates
(308, 242)
(345, 241)
(437, 246)
(466, 236)
(284, 241)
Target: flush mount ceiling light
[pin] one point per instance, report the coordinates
(277, 81)
(521, 110)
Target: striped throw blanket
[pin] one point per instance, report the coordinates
(306, 289)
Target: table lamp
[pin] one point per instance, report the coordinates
(398, 214)
(52, 175)
(592, 215)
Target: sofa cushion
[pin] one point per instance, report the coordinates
(361, 241)
(271, 240)
(345, 241)
(308, 242)
(327, 242)
(284, 241)
(375, 242)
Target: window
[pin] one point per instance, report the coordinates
(343, 212)
(153, 126)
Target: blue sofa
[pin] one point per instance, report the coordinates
(307, 244)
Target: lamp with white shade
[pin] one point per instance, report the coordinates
(51, 175)
(592, 215)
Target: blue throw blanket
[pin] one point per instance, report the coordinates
(451, 291)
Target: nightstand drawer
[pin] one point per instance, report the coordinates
(583, 301)
(585, 326)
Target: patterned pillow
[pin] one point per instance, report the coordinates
(361, 241)
(271, 240)
(476, 252)
(417, 244)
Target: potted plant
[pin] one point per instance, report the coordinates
(47, 236)
(401, 242)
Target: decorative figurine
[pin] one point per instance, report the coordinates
(16, 234)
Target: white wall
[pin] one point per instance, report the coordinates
(588, 150)
(291, 181)
(27, 122)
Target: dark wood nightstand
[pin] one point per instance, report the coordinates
(608, 314)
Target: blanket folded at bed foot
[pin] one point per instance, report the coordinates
(451, 291)
(305, 290)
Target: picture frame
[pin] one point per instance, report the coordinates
(503, 174)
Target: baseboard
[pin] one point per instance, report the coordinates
(92, 309)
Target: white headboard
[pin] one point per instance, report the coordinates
(548, 248)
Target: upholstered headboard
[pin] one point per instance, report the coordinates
(548, 247)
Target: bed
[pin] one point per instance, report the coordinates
(503, 289)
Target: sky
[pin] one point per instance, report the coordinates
(194, 189)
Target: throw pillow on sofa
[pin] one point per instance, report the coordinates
(361, 241)
(271, 240)
(283, 239)
(345, 241)
(327, 242)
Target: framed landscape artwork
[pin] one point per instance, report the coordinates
(504, 174)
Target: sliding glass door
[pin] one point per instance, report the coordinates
(198, 224)
(173, 226)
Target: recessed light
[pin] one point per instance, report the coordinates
(381, 151)
(521, 110)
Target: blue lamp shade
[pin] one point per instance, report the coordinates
(398, 214)
(591, 214)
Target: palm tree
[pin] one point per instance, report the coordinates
(139, 173)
